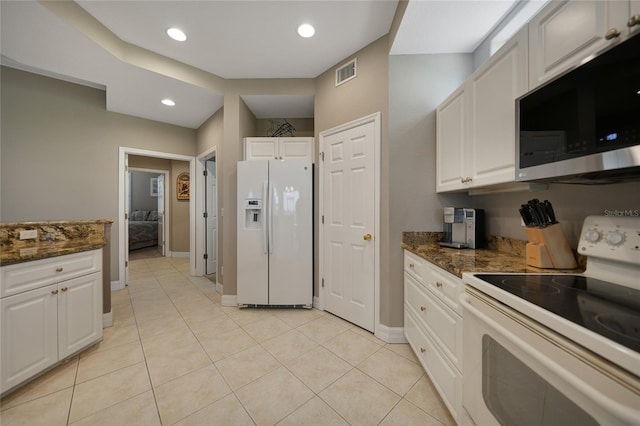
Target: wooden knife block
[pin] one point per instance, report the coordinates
(548, 248)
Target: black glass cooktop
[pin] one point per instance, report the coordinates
(611, 310)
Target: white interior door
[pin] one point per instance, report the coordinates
(212, 217)
(161, 198)
(349, 223)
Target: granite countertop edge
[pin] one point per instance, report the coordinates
(12, 257)
(56, 222)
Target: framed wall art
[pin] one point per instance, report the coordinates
(153, 187)
(183, 186)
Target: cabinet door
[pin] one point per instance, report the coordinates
(29, 339)
(565, 33)
(79, 313)
(296, 149)
(450, 140)
(493, 92)
(261, 148)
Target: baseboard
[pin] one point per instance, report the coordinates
(107, 319)
(229, 300)
(316, 302)
(183, 254)
(219, 288)
(117, 285)
(391, 334)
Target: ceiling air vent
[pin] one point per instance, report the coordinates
(346, 72)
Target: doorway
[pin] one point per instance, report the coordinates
(148, 217)
(350, 221)
(123, 219)
(207, 240)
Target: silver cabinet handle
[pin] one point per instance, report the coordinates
(611, 34)
(633, 21)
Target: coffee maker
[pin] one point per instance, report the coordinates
(463, 228)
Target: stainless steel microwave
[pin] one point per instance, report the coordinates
(584, 126)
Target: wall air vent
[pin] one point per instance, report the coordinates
(346, 72)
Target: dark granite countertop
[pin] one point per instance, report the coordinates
(503, 255)
(53, 238)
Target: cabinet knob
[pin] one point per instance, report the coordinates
(367, 237)
(64, 289)
(422, 350)
(59, 269)
(438, 284)
(422, 308)
(466, 179)
(54, 291)
(612, 33)
(411, 265)
(633, 21)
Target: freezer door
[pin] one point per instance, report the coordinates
(291, 237)
(252, 256)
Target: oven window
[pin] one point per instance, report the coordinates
(516, 395)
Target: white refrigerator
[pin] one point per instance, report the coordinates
(275, 233)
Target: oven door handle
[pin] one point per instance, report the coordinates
(629, 415)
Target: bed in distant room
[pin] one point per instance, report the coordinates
(143, 229)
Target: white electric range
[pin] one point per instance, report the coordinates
(558, 348)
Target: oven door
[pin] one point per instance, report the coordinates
(518, 372)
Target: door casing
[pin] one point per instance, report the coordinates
(123, 154)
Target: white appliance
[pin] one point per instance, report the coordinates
(558, 348)
(275, 233)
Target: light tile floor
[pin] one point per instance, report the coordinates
(176, 356)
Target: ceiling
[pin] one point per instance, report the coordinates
(121, 46)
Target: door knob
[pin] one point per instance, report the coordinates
(367, 237)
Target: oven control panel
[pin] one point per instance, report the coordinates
(611, 237)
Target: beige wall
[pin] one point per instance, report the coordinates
(179, 211)
(59, 150)
(303, 126)
(364, 95)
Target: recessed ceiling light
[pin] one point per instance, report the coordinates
(176, 34)
(168, 102)
(306, 30)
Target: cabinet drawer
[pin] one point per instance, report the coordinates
(26, 276)
(438, 320)
(446, 379)
(446, 286)
(415, 266)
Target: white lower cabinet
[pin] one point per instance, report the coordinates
(43, 326)
(434, 328)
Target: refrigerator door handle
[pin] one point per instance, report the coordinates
(270, 217)
(264, 223)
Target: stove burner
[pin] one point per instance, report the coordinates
(612, 324)
(530, 287)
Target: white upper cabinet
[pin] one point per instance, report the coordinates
(494, 89)
(476, 132)
(266, 148)
(564, 33)
(450, 141)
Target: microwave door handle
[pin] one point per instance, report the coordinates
(603, 401)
